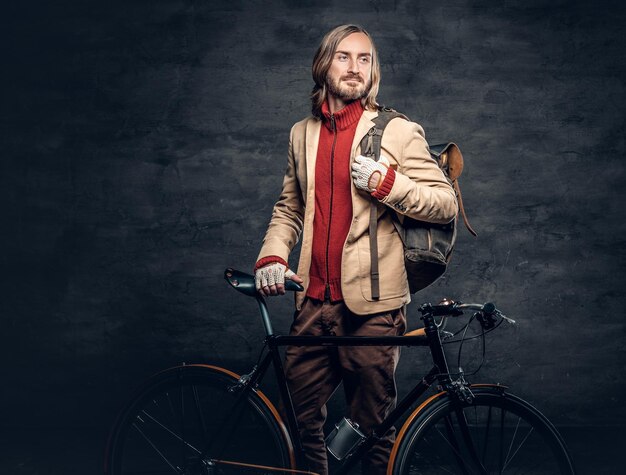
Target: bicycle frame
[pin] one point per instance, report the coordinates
(439, 372)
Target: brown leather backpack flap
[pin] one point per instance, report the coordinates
(455, 161)
(449, 158)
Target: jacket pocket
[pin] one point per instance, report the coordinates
(393, 283)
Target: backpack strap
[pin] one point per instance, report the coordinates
(370, 147)
(370, 143)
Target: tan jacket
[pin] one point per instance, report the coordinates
(420, 191)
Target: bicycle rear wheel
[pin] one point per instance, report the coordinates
(497, 433)
(190, 420)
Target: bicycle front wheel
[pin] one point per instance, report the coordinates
(497, 433)
(193, 420)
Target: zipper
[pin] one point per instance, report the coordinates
(333, 127)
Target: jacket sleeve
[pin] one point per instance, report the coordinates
(420, 190)
(285, 225)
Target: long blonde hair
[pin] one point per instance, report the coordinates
(323, 59)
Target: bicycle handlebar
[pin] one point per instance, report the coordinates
(449, 308)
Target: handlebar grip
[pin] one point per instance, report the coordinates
(291, 285)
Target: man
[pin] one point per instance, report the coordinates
(327, 193)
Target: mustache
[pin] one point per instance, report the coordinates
(352, 78)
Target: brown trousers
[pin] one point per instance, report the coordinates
(367, 372)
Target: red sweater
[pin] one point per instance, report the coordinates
(333, 200)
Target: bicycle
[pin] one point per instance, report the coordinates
(203, 419)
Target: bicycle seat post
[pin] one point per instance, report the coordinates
(265, 316)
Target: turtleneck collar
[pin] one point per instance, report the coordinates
(343, 118)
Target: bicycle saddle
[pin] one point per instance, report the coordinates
(244, 283)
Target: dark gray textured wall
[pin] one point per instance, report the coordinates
(143, 148)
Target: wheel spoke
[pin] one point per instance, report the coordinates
(501, 458)
(171, 432)
(519, 447)
(468, 441)
(485, 443)
(170, 405)
(182, 426)
(196, 400)
(519, 419)
(453, 444)
(147, 439)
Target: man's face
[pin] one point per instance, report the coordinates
(349, 77)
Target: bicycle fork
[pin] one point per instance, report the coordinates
(460, 393)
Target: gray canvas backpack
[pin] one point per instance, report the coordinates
(427, 246)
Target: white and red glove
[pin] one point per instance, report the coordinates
(270, 279)
(368, 174)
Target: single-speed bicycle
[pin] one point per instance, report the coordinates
(201, 419)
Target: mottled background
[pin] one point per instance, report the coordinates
(143, 146)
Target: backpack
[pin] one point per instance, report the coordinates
(427, 246)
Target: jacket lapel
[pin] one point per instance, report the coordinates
(311, 143)
(364, 125)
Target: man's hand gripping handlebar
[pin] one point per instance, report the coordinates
(245, 283)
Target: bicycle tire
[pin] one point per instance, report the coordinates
(509, 436)
(188, 419)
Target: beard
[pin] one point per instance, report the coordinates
(338, 88)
